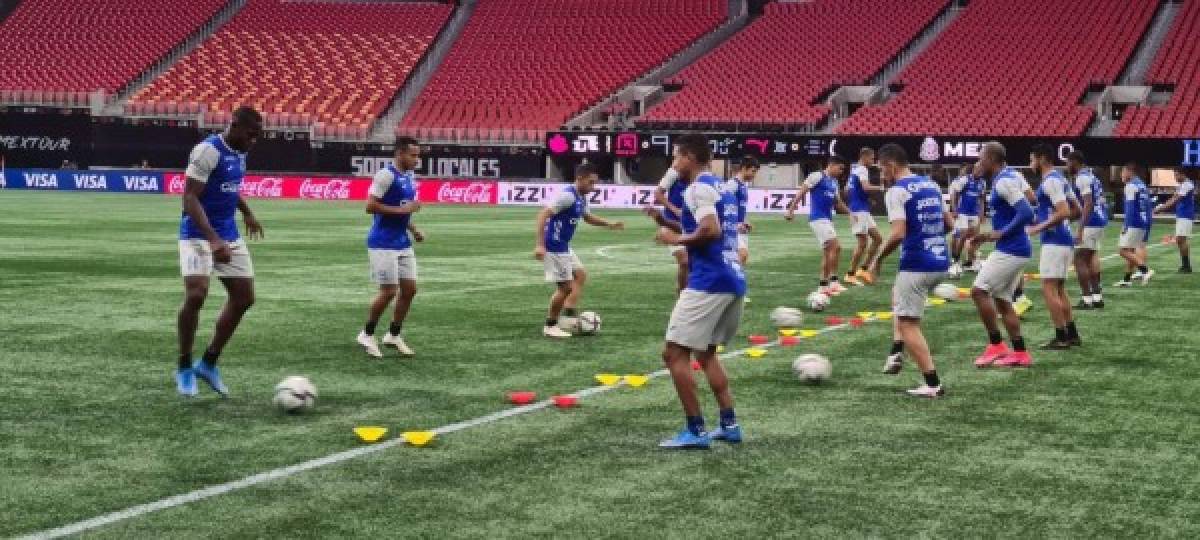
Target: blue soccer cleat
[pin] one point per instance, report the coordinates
(185, 382)
(731, 434)
(687, 440)
(212, 376)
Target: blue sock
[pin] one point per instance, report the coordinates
(695, 424)
(728, 419)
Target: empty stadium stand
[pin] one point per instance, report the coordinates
(332, 65)
(521, 67)
(1177, 65)
(775, 72)
(1012, 67)
(56, 52)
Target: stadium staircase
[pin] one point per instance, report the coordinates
(181, 50)
(384, 129)
(648, 90)
(1133, 78)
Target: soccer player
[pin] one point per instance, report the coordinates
(739, 186)
(555, 227)
(392, 200)
(919, 222)
(1137, 227)
(825, 199)
(858, 194)
(669, 195)
(708, 311)
(1004, 268)
(966, 198)
(1184, 203)
(1056, 201)
(1094, 218)
(209, 243)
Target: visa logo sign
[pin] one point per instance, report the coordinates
(90, 181)
(41, 180)
(140, 183)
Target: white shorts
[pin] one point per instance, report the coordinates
(824, 231)
(743, 241)
(701, 320)
(1132, 238)
(1183, 227)
(1001, 274)
(1054, 261)
(1092, 236)
(910, 291)
(389, 266)
(861, 223)
(561, 267)
(196, 259)
(963, 223)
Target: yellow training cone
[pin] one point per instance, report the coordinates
(808, 333)
(608, 379)
(720, 348)
(756, 352)
(636, 380)
(937, 301)
(883, 315)
(865, 314)
(418, 438)
(370, 434)
(787, 332)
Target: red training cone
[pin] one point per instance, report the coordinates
(565, 402)
(695, 365)
(856, 322)
(521, 398)
(759, 339)
(789, 341)
(833, 320)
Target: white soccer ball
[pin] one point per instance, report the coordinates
(818, 301)
(295, 393)
(812, 368)
(786, 317)
(946, 291)
(589, 323)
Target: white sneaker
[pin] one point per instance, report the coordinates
(894, 363)
(398, 343)
(956, 269)
(555, 332)
(926, 391)
(1146, 277)
(568, 324)
(368, 343)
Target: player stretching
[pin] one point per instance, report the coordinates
(966, 198)
(669, 195)
(392, 200)
(858, 195)
(209, 243)
(1184, 203)
(739, 187)
(823, 186)
(1004, 268)
(555, 227)
(1090, 193)
(1056, 203)
(919, 222)
(1137, 227)
(709, 309)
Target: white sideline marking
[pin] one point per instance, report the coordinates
(332, 459)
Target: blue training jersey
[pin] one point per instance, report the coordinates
(970, 191)
(741, 194)
(822, 194)
(393, 188)
(1186, 207)
(1051, 191)
(857, 193)
(222, 170)
(1138, 205)
(713, 267)
(918, 201)
(1008, 192)
(675, 197)
(569, 207)
(1085, 184)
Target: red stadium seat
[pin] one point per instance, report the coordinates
(1178, 64)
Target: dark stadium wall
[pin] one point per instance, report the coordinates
(7, 7)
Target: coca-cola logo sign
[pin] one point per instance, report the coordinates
(466, 193)
(325, 189)
(267, 187)
(432, 191)
(176, 183)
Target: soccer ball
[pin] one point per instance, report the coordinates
(786, 317)
(818, 301)
(812, 368)
(946, 291)
(589, 323)
(295, 393)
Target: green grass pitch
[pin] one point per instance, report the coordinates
(1095, 442)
